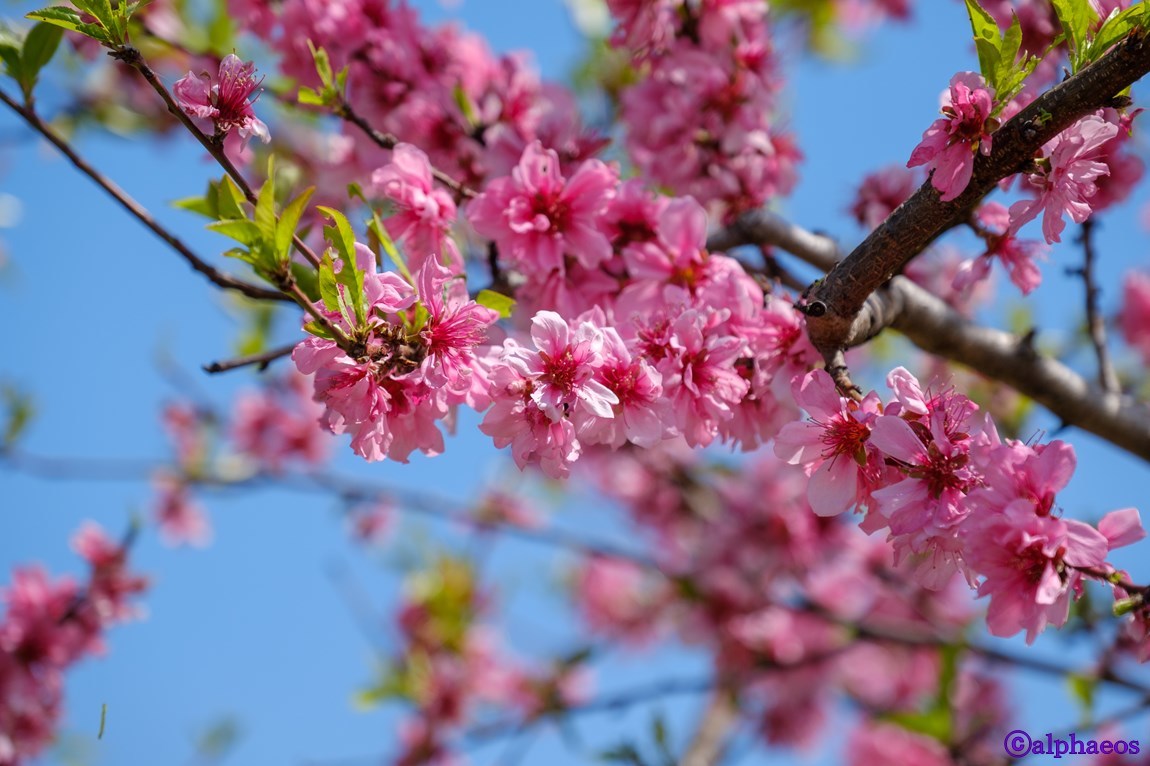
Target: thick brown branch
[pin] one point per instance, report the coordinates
(922, 218)
(934, 326)
(142, 215)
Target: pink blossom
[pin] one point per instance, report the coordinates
(1134, 316)
(644, 25)
(949, 145)
(1030, 565)
(564, 368)
(700, 379)
(880, 193)
(1016, 255)
(181, 520)
(225, 99)
(614, 599)
(424, 213)
(832, 444)
(888, 744)
(641, 415)
(372, 524)
(1068, 184)
(536, 216)
(277, 424)
(455, 326)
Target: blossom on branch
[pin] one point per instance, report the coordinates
(949, 145)
(225, 99)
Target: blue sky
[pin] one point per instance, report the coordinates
(259, 625)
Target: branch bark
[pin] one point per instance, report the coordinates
(719, 719)
(840, 316)
(933, 326)
(136, 209)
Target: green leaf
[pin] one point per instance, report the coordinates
(67, 18)
(328, 286)
(322, 64)
(340, 235)
(1082, 689)
(318, 331)
(265, 214)
(39, 47)
(310, 97)
(10, 46)
(1076, 17)
(987, 41)
(496, 302)
(377, 230)
(243, 231)
(288, 222)
(230, 199)
(205, 205)
(1115, 29)
(306, 279)
(19, 411)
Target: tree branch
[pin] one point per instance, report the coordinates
(387, 141)
(218, 277)
(1095, 324)
(719, 719)
(262, 360)
(933, 326)
(840, 316)
(133, 58)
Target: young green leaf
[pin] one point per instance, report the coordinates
(328, 287)
(265, 214)
(1076, 17)
(288, 222)
(39, 47)
(230, 199)
(243, 231)
(987, 41)
(67, 18)
(496, 302)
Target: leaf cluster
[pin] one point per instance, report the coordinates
(111, 19)
(25, 57)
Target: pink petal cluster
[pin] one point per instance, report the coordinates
(180, 518)
(424, 213)
(880, 193)
(1018, 256)
(49, 626)
(949, 145)
(1134, 316)
(225, 99)
(405, 377)
(275, 424)
(538, 218)
(1066, 185)
(699, 122)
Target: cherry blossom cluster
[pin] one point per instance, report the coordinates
(450, 666)
(747, 570)
(269, 429)
(48, 626)
(471, 111)
(413, 363)
(954, 496)
(699, 120)
(664, 337)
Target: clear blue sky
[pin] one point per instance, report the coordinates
(256, 626)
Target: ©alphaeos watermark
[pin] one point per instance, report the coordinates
(1019, 743)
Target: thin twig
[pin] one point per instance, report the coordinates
(262, 360)
(1095, 324)
(218, 277)
(387, 141)
(214, 146)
